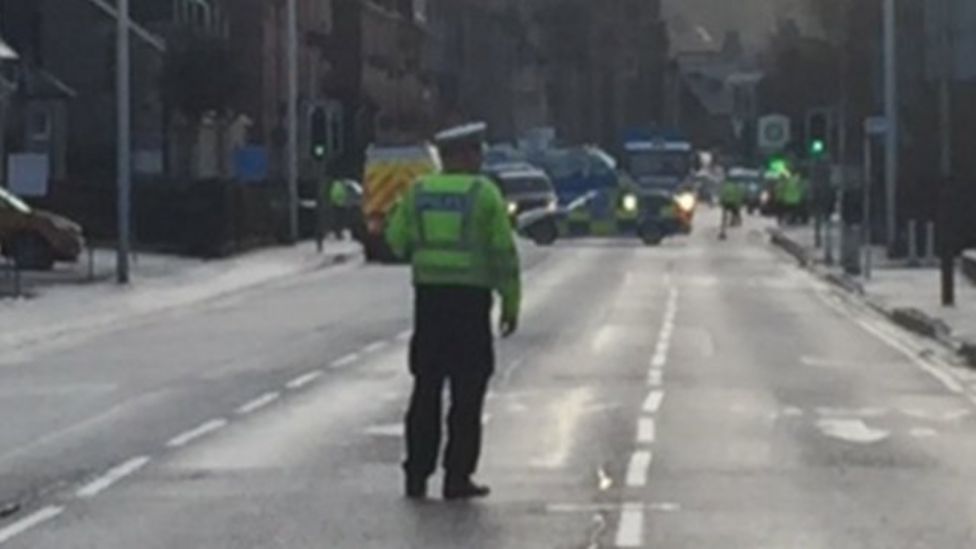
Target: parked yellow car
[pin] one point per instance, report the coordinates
(35, 239)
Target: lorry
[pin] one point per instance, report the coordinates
(388, 174)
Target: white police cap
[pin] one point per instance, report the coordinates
(474, 131)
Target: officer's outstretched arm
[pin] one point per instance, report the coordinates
(505, 260)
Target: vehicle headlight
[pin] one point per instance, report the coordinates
(512, 208)
(686, 201)
(629, 203)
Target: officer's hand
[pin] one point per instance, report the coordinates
(508, 326)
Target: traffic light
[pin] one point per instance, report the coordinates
(319, 133)
(818, 130)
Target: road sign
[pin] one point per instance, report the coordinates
(774, 132)
(875, 125)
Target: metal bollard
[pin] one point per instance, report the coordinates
(828, 242)
(912, 244)
(930, 258)
(91, 264)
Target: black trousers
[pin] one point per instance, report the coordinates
(452, 345)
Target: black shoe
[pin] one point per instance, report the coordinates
(464, 489)
(416, 488)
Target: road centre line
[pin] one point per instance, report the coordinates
(30, 521)
(646, 430)
(637, 468)
(258, 403)
(655, 378)
(113, 475)
(304, 379)
(345, 361)
(375, 346)
(203, 429)
(653, 401)
(630, 530)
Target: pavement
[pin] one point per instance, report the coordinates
(703, 393)
(82, 299)
(910, 296)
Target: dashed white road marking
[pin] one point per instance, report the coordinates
(189, 436)
(258, 403)
(653, 401)
(646, 430)
(113, 475)
(345, 361)
(923, 432)
(630, 531)
(34, 519)
(375, 347)
(637, 469)
(304, 379)
(851, 430)
(659, 360)
(655, 378)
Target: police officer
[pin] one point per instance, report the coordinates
(339, 203)
(454, 229)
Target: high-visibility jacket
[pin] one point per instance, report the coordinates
(455, 230)
(731, 194)
(338, 195)
(792, 191)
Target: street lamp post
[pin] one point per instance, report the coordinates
(891, 115)
(292, 153)
(124, 152)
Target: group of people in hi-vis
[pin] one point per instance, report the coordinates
(789, 194)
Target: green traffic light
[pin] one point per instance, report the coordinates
(319, 151)
(818, 147)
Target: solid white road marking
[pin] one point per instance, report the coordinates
(258, 403)
(664, 507)
(630, 531)
(943, 376)
(345, 361)
(646, 430)
(653, 401)
(189, 436)
(637, 469)
(113, 475)
(375, 346)
(851, 430)
(304, 379)
(34, 519)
